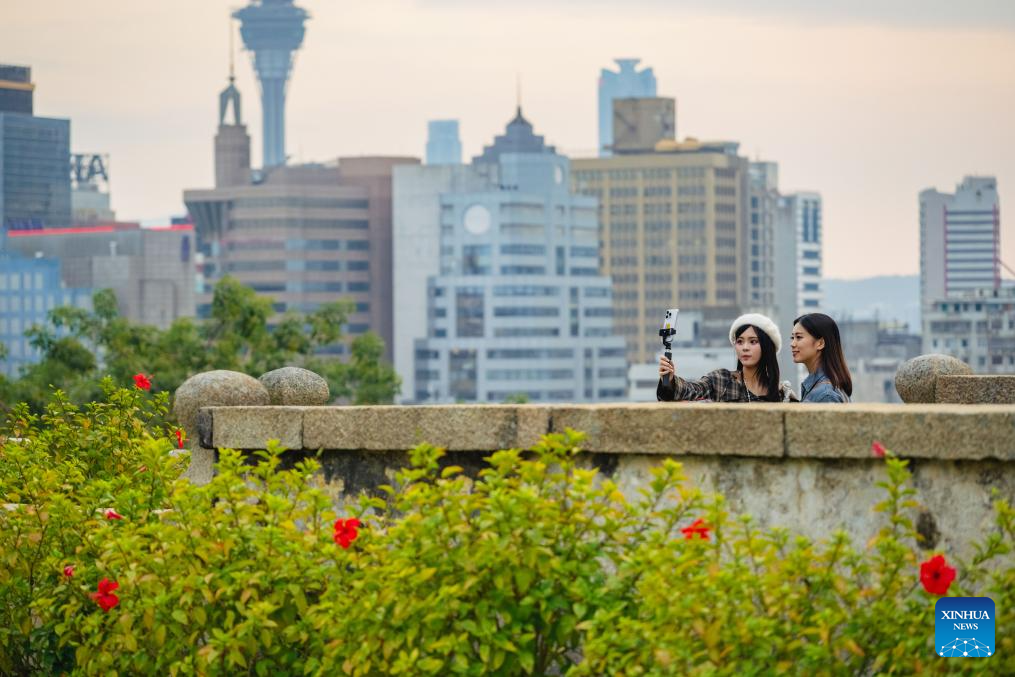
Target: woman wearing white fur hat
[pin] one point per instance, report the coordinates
(756, 342)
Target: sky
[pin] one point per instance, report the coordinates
(867, 102)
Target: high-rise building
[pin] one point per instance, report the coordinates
(151, 270)
(804, 210)
(34, 158)
(960, 240)
(443, 147)
(772, 266)
(30, 287)
(272, 30)
(16, 90)
(672, 227)
(232, 143)
(304, 235)
(628, 82)
(497, 281)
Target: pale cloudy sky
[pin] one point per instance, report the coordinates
(867, 101)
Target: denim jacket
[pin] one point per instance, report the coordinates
(817, 388)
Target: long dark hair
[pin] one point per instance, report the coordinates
(833, 362)
(768, 365)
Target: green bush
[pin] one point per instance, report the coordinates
(537, 566)
(59, 474)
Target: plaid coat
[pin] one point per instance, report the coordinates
(721, 385)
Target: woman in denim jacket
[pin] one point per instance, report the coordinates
(815, 343)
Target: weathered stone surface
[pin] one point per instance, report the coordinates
(294, 386)
(976, 389)
(202, 465)
(814, 497)
(677, 428)
(916, 379)
(454, 427)
(212, 388)
(251, 427)
(947, 432)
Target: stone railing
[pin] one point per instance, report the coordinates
(805, 467)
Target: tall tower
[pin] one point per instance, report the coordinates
(232, 143)
(272, 30)
(628, 82)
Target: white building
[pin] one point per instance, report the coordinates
(805, 211)
(959, 240)
(497, 289)
(977, 327)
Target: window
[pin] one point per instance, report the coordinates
(523, 249)
(476, 259)
(469, 312)
(526, 311)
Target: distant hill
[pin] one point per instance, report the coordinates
(888, 297)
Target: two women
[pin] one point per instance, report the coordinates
(756, 341)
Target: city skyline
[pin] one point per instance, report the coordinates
(923, 105)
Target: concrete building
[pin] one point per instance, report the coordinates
(672, 232)
(272, 30)
(977, 327)
(34, 158)
(30, 287)
(627, 82)
(151, 270)
(640, 123)
(443, 146)
(960, 240)
(874, 350)
(514, 300)
(804, 209)
(304, 235)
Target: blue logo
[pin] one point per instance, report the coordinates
(964, 627)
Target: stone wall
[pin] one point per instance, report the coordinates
(805, 467)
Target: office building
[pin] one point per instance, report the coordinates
(672, 227)
(30, 287)
(960, 240)
(16, 90)
(443, 147)
(977, 327)
(804, 211)
(503, 257)
(304, 235)
(151, 270)
(34, 158)
(627, 82)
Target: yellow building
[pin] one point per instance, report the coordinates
(672, 232)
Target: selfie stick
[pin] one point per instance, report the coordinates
(668, 331)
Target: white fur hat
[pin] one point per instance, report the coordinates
(761, 322)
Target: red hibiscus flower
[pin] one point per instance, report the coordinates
(141, 381)
(113, 515)
(68, 570)
(345, 531)
(698, 528)
(179, 438)
(105, 597)
(936, 575)
(878, 449)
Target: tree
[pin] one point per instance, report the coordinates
(79, 346)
